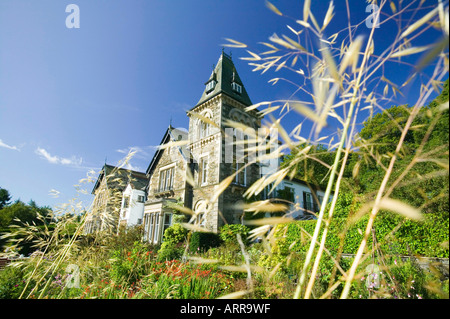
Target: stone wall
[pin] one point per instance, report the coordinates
(168, 157)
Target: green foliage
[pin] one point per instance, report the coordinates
(172, 246)
(175, 234)
(201, 241)
(170, 251)
(346, 205)
(12, 282)
(383, 131)
(411, 238)
(130, 266)
(5, 198)
(228, 233)
(23, 213)
(173, 279)
(426, 183)
(310, 169)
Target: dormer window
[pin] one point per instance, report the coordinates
(236, 87)
(210, 86)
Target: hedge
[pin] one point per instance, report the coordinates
(201, 241)
(426, 238)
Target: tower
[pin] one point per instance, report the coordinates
(214, 157)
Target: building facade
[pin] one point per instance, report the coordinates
(189, 167)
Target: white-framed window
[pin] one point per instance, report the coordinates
(236, 87)
(204, 129)
(148, 227)
(203, 170)
(166, 179)
(157, 228)
(140, 199)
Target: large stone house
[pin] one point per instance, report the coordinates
(189, 166)
(119, 198)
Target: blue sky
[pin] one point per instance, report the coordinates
(70, 98)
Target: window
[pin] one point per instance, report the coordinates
(201, 209)
(156, 232)
(241, 177)
(290, 194)
(167, 222)
(239, 159)
(162, 179)
(126, 202)
(141, 199)
(166, 179)
(236, 87)
(210, 86)
(201, 220)
(203, 170)
(268, 192)
(204, 129)
(308, 203)
(148, 227)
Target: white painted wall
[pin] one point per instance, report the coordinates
(299, 189)
(134, 213)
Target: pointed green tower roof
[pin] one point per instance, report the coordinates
(225, 79)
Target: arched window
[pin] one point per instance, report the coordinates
(203, 126)
(204, 129)
(201, 210)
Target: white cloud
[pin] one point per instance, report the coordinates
(136, 152)
(73, 161)
(43, 153)
(133, 168)
(3, 144)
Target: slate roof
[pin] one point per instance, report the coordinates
(172, 134)
(225, 73)
(121, 177)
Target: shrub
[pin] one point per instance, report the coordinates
(203, 241)
(172, 247)
(12, 282)
(175, 234)
(130, 266)
(417, 238)
(228, 233)
(170, 251)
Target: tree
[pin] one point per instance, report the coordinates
(19, 212)
(313, 167)
(5, 198)
(426, 147)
